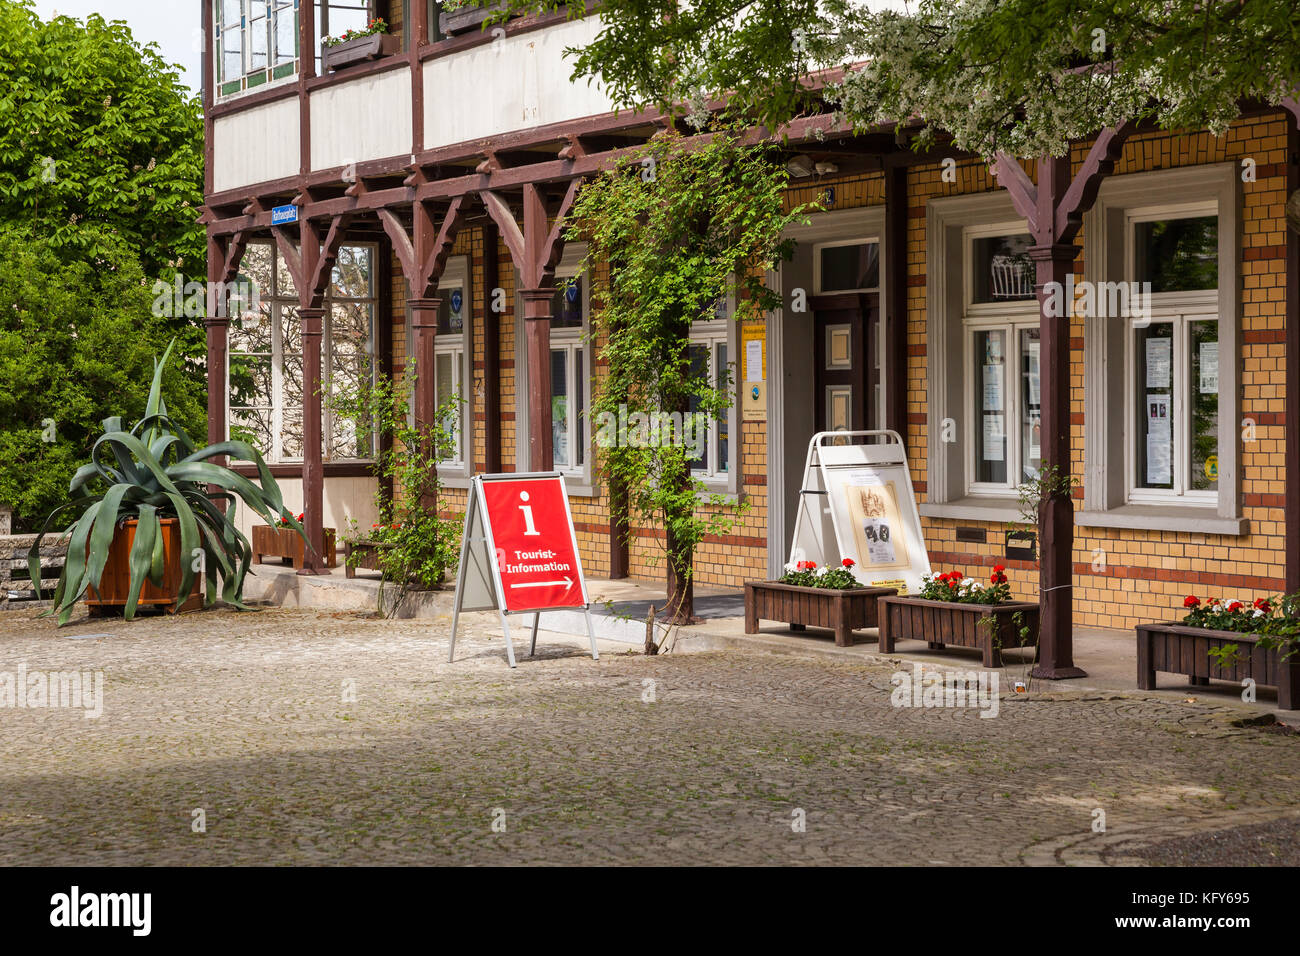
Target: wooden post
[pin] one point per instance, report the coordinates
(313, 465)
(424, 331)
(217, 324)
(895, 305)
(537, 337)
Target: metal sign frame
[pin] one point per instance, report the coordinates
(809, 538)
(476, 506)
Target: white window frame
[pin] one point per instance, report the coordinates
(711, 333)
(274, 10)
(836, 243)
(1010, 318)
(571, 341)
(456, 275)
(1177, 309)
(277, 302)
(1109, 438)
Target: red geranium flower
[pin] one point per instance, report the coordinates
(847, 562)
(1263, 605)
(1235, 606)
(1191, 601)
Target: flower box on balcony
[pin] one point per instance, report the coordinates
(466, 18)
(287, 544)
(361, 50)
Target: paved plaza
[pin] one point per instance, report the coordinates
(319, 737)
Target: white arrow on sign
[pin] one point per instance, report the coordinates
(567, 582)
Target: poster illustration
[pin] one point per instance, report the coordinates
(1159, 441)
(877, 527)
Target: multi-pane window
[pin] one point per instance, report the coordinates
(449, 358)
(256, 43)
(710, 359)
(266, 391)
(1002, 369)
(569, 373)
(1173, 366)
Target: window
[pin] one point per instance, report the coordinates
(568, 374)
(257, 43)
(449, 353)
(1173, 355)
(851, 265)
(265, 374)
(1003, 396)
(710, 358)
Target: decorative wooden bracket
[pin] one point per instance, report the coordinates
(234, 256)
(311, 271)
(490, 163)
(575, 149)
(423, 267)
(535, 251)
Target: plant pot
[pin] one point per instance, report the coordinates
(361, 50)
(364, 555)
(800, 607)
(115, 583)
(287, 544)
(465, 19)
(940, 623)
(1178, 649)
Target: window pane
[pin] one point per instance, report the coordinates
(352, 270)
(1176, 255)
(250, 381)
(446, 384)
(991, 408)
(230, 12)
(566, 304)
(259, 38)
(1031, 429)
(580, 399)
(699, 356)
(850, 267)
(1203, 387)
(290, 329)
(451, 311)
(251, 331)
(292, 380)
(291, 434)
(560, 408)
(724, 383)
(1003, 271)
(350, 326)
(252, 425)
(286, 34)
(1155, 399)
(347, 16)
(232, 55)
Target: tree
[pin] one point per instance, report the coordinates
(77, 343)
(683, 226)
(1020, 76)
(100, 144)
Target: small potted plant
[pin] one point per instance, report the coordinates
(359, 46)
(810, 596)
(1231, 640)
(280, 540)
(461, 16)
(955, 609)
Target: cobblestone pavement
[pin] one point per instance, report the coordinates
(244, 717)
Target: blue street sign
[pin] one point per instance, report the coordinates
(457, 300)
(283, 215)
(571, 293)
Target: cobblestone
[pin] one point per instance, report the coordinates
(244, 717)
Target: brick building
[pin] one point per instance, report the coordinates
(425, 181)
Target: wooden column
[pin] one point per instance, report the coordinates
(894, 308)
(424, 331)
(537, 338)
(313, 465)
(217, 324)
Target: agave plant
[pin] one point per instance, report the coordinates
(154, 472)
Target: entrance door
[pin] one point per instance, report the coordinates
(846, 375)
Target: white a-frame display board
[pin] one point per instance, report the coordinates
(519, 554)
(857, 502)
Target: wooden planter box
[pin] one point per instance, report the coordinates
(465, 19)
(115, 583)
(1179, 649)
(841, 611)
(287, 544)
(940, 623)
(361, 50)
(363, 555)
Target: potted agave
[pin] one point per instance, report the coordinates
(955, 609)
(811, 596)
(279, 540)
(359, 46)
(1227, 640)
(152, 528)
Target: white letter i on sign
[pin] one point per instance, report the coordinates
(528, 517)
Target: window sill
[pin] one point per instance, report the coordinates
(998, 510)
(1164, 518)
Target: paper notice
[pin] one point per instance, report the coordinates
(994, 438)
(1209, 368)
(1158, 362)
(992, 388)
(1159, 441)
(754, 360)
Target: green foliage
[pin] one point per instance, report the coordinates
(1021, 76)
(422, 544)
(100, 143)
(956, 588)
(74, 349)
(806, 574)
(151, 473)
(682, 228)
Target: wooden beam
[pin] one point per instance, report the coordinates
(1097, 165)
